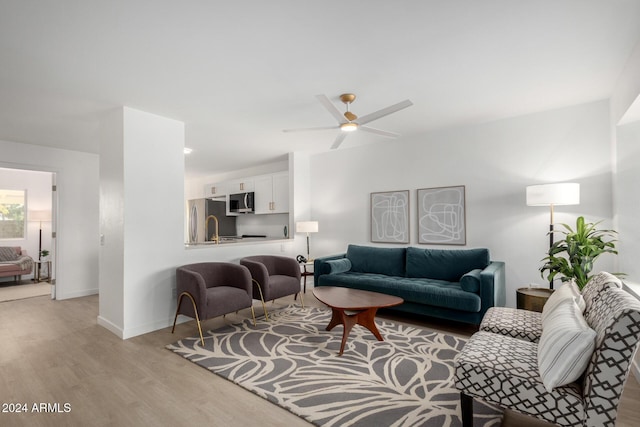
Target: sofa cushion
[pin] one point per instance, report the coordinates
(512, 322)
(8, 254)
(421, 291)
(566, 345)
(368, 259)
(339, 265)
(447, 265)
(568, 291)
(470, 281)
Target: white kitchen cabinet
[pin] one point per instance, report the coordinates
(218, 189)
(280, 202)
(240, 186)
(272, 193)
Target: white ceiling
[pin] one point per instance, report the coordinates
(238, 72)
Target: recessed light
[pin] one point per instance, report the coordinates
(187, 150)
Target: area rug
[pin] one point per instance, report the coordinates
(292, 361)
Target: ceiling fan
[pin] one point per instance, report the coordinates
(349, 122)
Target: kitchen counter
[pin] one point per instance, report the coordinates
(226, 241)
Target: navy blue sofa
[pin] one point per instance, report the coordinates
(459, 285)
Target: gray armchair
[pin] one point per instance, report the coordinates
(273, 277)
(215, 289)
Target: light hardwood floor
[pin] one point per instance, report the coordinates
(53, 352)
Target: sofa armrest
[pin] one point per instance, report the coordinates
(492, 286)
(320, 266)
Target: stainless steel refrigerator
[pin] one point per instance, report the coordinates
(199, 210)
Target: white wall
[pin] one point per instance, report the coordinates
(628, 177)
(495, 162)
(38, 191)
(626, 140)
(77, 181)
(142, 185)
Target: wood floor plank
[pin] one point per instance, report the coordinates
(54, 352)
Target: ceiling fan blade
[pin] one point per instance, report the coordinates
(384, 112)
(333, 110)
(311, 129)
(341, 136)
(379, 132)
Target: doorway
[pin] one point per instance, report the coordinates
(29, 219)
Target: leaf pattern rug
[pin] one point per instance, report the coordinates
(292, 361)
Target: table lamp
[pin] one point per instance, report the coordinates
(307, 227)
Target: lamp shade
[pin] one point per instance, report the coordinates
(553, 194)
(307, 227)
(39, 216)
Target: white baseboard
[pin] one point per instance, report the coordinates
(77, 294)
(146, 328)
(110, 326)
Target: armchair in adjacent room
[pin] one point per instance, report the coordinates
(214, 289)
(273, 277)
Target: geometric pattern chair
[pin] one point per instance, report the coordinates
(503, 370)
(513, 322)
(213, 289)
(273, 277)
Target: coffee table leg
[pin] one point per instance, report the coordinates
(367, 319)
(337, 318)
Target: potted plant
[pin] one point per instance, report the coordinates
(573, 256)
(44, 254)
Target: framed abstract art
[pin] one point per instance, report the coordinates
(441, 216)
(390, 217)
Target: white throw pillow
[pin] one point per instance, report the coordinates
(566, 345)
(568, 291)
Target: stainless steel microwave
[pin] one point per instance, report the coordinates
(242, 202)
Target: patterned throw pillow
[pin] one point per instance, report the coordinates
(8, 254)
(566, 345)
(568, 291)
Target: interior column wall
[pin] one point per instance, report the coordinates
(142, 190)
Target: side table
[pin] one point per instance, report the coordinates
(532, 299)
(306, 272)
(37, 271)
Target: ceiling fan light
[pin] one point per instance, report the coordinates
(349, 127)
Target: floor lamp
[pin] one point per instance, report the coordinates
(40, 216)
(307, 227)
(560, 194)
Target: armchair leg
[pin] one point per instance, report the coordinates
(264, 307)
(466, 406)
(195, 310)
(301, 299)
(253, 314)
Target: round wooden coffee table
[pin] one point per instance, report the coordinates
(361, 305)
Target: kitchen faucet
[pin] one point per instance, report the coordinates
(216, 237)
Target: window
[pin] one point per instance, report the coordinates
(12, 213)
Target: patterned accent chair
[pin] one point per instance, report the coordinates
(273, 277)
(499, 363)
(214, 289)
